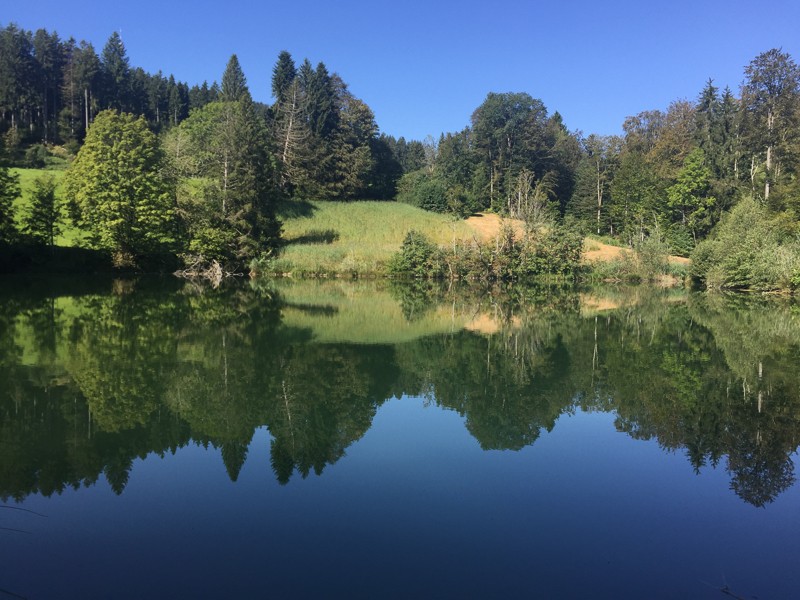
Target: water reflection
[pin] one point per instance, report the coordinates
(94, 378)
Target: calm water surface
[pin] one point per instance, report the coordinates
(317, 440)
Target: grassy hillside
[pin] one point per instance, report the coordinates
(355, 237)
(69, 235)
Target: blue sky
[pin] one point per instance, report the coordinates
(424, 66)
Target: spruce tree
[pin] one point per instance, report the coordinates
(41, 221)
(234, 84)
(116, 73)
(283, 75)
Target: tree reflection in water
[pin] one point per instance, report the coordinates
(92, 379)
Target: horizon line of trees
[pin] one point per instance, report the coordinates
(673, 174)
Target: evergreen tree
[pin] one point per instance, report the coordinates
(49, 54)
(637, 194)
(225, 143)
(17, 75)
(283, 75)
(88, 75)
(116, 74)
(157, 97)
(41, 221)
(234, 84)
(592, 193)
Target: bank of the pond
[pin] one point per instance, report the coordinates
(329, 239)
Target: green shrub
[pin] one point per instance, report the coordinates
(748, 250)
(36, 156)
(423, 190)
(418, 257)
(555, 253)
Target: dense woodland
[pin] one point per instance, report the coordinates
(715, 177)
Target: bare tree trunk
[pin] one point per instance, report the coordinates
(224, 184)
(86, 108)
(599, 196)
(289, 126)
(770, 123)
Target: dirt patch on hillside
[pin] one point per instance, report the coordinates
(487, 225)
(594, 251)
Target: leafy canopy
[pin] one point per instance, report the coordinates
(118, 192)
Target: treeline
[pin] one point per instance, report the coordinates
(673, 174)
(325, 139)
(692, 178)
(52, 89)
(164, 170)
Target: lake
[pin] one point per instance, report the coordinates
(163, 439)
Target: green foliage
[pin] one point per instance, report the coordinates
(637, 194)
(116, 74)
(283, 75)
(554, 252)
(228, 212)
(423, 190)
(648, 261)
(418, 258)
(691, 197)
(36, 156)
(42, 220)
(748, 250)
(9, 191)
(234, 83)
(117, 190)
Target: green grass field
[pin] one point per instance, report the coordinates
(69, 235)
(354, 237)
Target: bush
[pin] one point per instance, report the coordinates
(748, 250)
(555, 252)
(36, 156)
(418, 257)
(423, 190)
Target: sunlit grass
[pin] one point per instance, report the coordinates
(69, 236)
(355, 237)
(363, 312)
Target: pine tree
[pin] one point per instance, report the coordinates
(283, 75)
(41, 221)
(49, 54)
(234, 84)
(116, 74)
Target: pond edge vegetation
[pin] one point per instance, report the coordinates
(161, 176)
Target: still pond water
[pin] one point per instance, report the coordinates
(354, 440)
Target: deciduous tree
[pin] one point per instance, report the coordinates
(118, 192)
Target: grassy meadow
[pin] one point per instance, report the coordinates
(69, 236)
(329, 237)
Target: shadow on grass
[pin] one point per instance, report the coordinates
(294, 209)
(315, 236)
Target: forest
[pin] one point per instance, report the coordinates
(161, 173)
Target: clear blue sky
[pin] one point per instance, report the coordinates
(424, 66)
